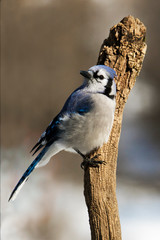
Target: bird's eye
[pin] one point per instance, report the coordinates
(101, 77)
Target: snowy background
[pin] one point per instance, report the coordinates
(45, 43)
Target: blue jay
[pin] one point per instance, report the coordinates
(83, 124)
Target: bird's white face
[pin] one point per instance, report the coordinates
(99, 78)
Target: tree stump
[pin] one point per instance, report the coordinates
(124, 51)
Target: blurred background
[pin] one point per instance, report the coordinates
(44, 45)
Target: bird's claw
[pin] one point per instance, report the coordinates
(91, 162)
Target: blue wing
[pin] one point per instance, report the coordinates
(51, 133)
(77, 103)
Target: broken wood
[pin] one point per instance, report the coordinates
(124, 51)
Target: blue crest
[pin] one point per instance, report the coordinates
(111, 72)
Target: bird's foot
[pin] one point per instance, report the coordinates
(91, 162)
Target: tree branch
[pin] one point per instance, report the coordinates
(123, 50)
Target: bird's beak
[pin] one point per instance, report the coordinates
(86, 74)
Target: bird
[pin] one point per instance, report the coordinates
(82, 126)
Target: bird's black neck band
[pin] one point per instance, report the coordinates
(108, 89)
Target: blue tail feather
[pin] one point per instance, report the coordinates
(26, 174)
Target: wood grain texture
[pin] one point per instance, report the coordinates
(124, 51)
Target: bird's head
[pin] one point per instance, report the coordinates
(100, 78)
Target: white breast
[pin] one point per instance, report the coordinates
(103, 116)
(92, 130)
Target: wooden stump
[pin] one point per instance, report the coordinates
(124, 51)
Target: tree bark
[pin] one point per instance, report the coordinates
(124, 51)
